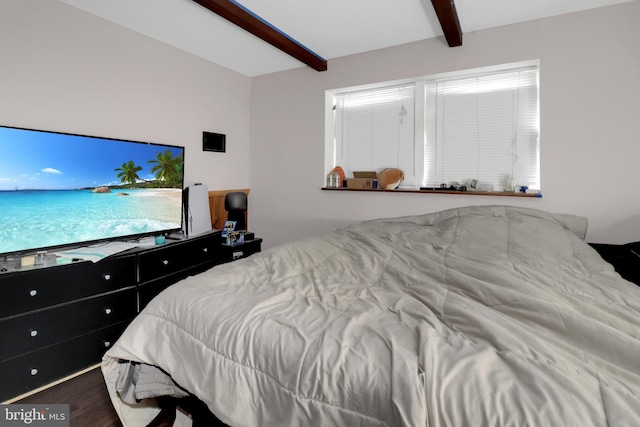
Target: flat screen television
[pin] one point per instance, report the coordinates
(62, 190)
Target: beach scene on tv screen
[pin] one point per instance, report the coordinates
(60, 189)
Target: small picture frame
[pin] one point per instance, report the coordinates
(229, 227)
(212, 141)
(235, 238)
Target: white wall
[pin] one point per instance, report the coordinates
(590, 145)
(63, 69)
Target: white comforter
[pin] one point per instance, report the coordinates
(481, 316)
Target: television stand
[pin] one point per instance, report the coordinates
(58, 319)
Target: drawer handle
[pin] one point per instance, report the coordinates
(107, 311)
(107, 277)
(33, 293)
(34, 371)
(33, 332)
(165, 262)
(106, 343)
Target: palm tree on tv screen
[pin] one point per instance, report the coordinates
(168, 169)
(128, 172)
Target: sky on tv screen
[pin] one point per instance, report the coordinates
(50, 161)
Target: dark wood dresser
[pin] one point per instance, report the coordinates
(60, 319)
(57, 320)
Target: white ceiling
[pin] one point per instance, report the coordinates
(331, 28)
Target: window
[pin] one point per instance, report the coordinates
(474, 127)
(374, 129)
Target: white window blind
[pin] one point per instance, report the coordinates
(483, 127)
(374, 129)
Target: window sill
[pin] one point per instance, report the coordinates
(466, 193)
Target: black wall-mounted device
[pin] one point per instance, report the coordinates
(214, 142)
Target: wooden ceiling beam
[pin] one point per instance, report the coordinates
(245, 19)
(448, 17)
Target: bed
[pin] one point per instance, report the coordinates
(477, 316)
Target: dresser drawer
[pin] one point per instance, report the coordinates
(243, 250)
(176, 257)
(24, 291)
(21, 334)
(36, 369)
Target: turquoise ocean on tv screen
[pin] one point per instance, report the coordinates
(32, 219)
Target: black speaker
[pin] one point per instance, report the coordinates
(214, 142)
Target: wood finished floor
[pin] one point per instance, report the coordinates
(87, 397)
